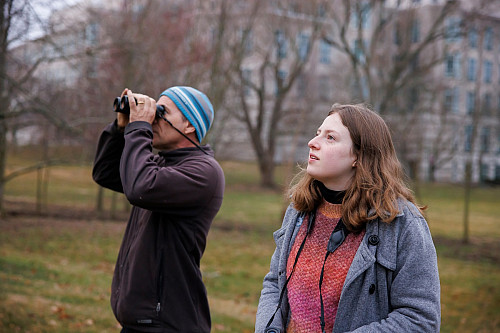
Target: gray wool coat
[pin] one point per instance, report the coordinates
(391, 286)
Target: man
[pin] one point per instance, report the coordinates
(157, 284)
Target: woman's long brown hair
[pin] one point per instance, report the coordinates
(378, 180)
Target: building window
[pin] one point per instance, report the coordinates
(279, 81)
(415, 31)
(452, 32)
(358, 51)
(322, 10)
(325, 52)
(213, 37)
(303, 45)
(498, 106)
(451, 97)
(456, 98)
(448, 99)
(324, 88)
(498, 145)
(450, 62)
(92, 34)
(453, 65)
(247, 79)
(488, 71)
(92, 68)
(361, 16)
(246, 37)
(470, 102)
(397, 35)
(468, 138)
(471, 69)
(485, 139)
(413, 99)
(414, 62)
(472, 38)
(487, 104)
(281, 44)
(301, 86)
(483, 172)
(488, 39)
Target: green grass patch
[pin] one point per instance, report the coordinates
(470, 295)
(55, 272)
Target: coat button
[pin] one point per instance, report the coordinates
(372, 289)
(373, 240)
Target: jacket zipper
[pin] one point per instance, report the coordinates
(158, 308)
(159, 286)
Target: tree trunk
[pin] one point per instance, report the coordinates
(113, 204)
(475, 124)
(39, 182)
(467, 195)
(99, 199)
(3, 158)
(4, 96)
(266, 167)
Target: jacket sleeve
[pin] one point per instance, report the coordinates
(185, 187)
(271, 290)
(414, 293)
(107, 160)
(269, 298)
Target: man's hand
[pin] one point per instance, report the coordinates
(122, 120)
(143, 110)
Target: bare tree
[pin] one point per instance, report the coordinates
(282, 35)
(474, 20)
(385, 46)
(17, 77)
(230, 38)
(5, 22)
(392, 51)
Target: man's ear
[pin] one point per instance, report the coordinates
(189, 129)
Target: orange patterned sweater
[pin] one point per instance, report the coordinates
(303, 288)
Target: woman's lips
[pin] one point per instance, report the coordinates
(313, 157)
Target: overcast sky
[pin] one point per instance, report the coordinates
(38, 13)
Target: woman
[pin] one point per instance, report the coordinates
(354, 253)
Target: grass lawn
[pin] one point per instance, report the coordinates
(56, 269)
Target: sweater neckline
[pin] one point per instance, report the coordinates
(331, 196)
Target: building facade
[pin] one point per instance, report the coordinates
(435, 79)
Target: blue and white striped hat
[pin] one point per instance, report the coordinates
(195, 106)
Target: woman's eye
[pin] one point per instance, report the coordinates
(330, 137)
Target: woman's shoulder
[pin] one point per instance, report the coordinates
(291, 214)
(409, 221)
(408, 217)
(408, 208)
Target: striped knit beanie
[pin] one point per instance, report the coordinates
(195, 106)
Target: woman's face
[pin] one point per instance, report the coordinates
(331, 160)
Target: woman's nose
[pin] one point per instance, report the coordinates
(313, 143)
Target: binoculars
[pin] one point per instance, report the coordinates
(120, 104)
